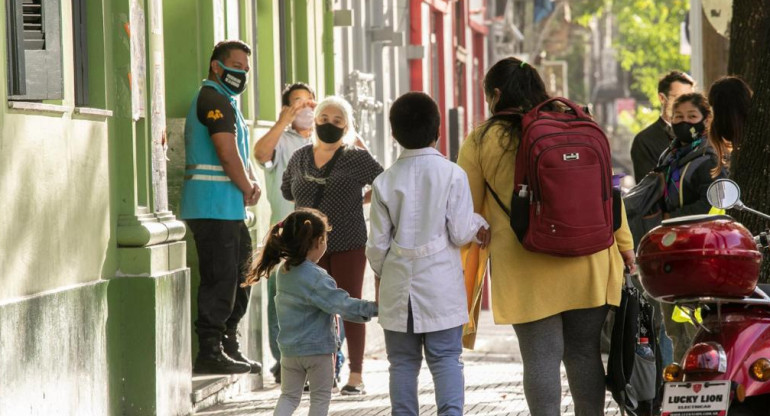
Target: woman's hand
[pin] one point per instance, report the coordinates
(629, 259)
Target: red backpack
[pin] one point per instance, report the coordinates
(563, 198)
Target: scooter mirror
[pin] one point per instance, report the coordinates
(723, 194)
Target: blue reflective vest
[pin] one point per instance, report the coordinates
(207, 192)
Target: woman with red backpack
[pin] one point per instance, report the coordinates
(557, 304)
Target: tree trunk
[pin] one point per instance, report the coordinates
(716, 54)
(749, 38)
(749, 57)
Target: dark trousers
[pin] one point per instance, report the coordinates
(571, 337)
(224, 252)
(347, 269)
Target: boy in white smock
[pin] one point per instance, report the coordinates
(421, 214)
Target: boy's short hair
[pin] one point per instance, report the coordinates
(415, 120)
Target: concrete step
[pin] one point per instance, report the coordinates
(209, 390)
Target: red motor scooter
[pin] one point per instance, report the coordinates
(712, 263)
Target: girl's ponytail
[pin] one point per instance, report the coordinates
(289, 240)
(268, 258)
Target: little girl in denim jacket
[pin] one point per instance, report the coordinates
(306, 301)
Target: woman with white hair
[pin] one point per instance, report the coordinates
(330, 175)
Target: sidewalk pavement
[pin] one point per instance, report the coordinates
(493, 383)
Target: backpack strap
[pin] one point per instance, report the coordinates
(681, 184)
(617, 199)
(519, 223)
(696, 163)
(497, 198)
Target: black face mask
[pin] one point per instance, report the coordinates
(688, 132)
(329, 133)
(234, 80)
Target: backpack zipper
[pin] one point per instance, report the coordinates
(592, 123)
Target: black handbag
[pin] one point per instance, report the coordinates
(644, 204)
(632, 379)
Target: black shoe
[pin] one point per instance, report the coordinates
(211, 360)
(276, 371)
(255, 367)
(232, 349)
(349, 390)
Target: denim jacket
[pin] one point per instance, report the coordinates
(306, 301)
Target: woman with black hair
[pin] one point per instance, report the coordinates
(557, 305)
(730, 98)
(689, 161)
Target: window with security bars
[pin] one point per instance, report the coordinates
(34, 49)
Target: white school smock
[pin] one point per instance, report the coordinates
(421, 213)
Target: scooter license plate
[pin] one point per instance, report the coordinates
(701, 398)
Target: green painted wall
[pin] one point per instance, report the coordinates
(150, 368)
(95, 33)
(268, 64)
(70, 184)
(55, 187)
(185, 57)
(328, 50)
(302, 28)
(290, 23)
(54, 182)
(54, 359)
(65, 180)
(310, 45)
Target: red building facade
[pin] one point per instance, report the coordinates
(448, 59)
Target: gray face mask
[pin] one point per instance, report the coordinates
(304, 119)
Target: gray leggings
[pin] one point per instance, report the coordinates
(319, 372)
(574, 337)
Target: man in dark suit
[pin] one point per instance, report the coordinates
(653, 140)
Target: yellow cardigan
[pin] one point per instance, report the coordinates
(529, 286)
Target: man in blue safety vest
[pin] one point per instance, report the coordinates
(218, 185)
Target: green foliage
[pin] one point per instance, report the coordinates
(648, 43)
(634, 123)
(574, 57)
(648, 37)
(584, 10)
